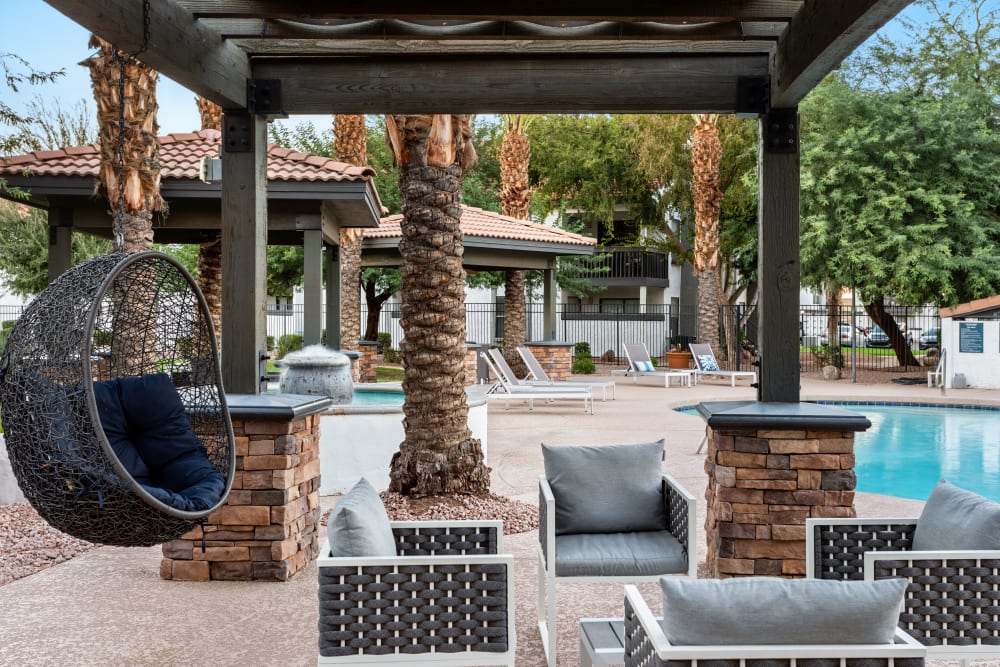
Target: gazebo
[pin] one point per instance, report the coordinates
(756, 58)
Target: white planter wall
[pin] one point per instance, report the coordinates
(981, 370)
(10, 492)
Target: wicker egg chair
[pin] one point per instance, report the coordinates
(119, 317)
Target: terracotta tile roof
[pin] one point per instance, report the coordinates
(972, 307)
(180, 158)
(477, 222)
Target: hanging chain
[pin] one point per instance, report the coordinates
(118, 223)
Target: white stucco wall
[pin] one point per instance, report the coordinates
(352, 446)
(981, 370)
(10, 492)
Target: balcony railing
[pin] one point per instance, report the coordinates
(630, 266)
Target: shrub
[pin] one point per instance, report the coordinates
(270, 343)
(829, 356)
(184, 344)
(102, 338)
(391, 356)
(384, 340)
(583, 363)
(288, 343)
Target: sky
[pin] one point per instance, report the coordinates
(49, 41)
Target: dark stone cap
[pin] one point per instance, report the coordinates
(276, 407)
(781, 416)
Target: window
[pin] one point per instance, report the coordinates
(619, 305)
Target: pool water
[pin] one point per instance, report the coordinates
(908, 449)
(377, 398)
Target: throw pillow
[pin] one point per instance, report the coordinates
(769, 610)
(359, 525)
(954, 519)
(706, 362)
(606, 488)
(644, 366)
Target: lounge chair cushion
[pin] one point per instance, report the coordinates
(770, 610)
(639, 554)
(606, 488)
(644, 366)
(359, 526)
(954, 518)
(707, 362)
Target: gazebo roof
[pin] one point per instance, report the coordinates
(491, 241)
(298, 184)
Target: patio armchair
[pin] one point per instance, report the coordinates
(640, 364)
(413, 592)
(607, 513)
(769, 621)
(950, 556)
(506, 389)
(541, 379)
(706, 365)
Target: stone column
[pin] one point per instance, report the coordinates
(268, 529)
(367, 362)
(556, 357)
(770, 467)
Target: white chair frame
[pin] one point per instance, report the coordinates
(547, 579)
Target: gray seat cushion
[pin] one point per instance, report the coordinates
(954, 518)
(606, 488)
(769, 610)
(359, 525)
(619, 554)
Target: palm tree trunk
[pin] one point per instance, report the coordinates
(210, 252)
(350, 139)
(706, 152)
(708, 311)
(515, 199)
(439, 454)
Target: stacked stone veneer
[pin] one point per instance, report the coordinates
(763, 485)
(366, 364)
(555, 358)
(268, 528)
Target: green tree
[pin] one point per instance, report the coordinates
(900, 198)
(24, 248)
(17, 72)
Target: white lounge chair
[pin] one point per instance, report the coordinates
(503, 388)
(640, 364)
(706, 365)
(541, 379)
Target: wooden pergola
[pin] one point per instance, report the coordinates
(263, 58)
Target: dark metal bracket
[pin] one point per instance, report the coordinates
(753, 96)
(264, 97)
(237, 133)
(781, 131)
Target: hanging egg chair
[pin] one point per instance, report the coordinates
(112, 403)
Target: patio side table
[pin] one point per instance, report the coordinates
(602, 642)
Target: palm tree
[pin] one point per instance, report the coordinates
(140, 168)
(515, 197)
(706, 152)
(438, 454)
(350, 144)
(210, 252)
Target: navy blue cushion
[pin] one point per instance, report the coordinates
(145, 423)
(107, 393)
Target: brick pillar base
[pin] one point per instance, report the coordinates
(555, 357)
(366, 364)
(268, 528)
(762, 486)
(472, 363)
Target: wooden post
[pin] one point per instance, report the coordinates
(60, 241)
(244, 258)
(778, 259)
(312, 286)
(549, 304)
(333, 338)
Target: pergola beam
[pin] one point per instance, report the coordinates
(819, 38)
(693, 11)
(179, 47)
(601, 84)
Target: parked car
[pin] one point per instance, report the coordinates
(930, 338)
(877, 337)
(844, 331)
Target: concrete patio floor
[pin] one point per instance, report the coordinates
(109, 606)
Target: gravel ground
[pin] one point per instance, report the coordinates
(28, 544)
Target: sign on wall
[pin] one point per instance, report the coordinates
(970, 337)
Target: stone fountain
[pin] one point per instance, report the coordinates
(318, 371)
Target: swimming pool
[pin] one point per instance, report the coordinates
(364, 397)
(910, 447)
